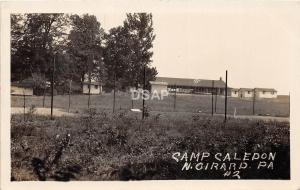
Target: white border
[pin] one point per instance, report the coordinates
(139, 6)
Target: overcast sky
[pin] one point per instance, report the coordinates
(257, 44)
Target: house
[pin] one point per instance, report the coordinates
(159, 87)
(265, 93)
(96, 87)
(24, 87)
(234, 92)
(246, 93)
(250, 92)
(188, 86)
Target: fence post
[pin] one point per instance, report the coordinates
(253, 103)
(89, 99)
(212, 97)
(174, 106)
(44, 95)
(216, 96)
(70, 88)
(52, 86)
(289, 104)
(144, 85)
(24, 105)
(114, 103)
(226, 97)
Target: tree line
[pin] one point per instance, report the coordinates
(76, 46)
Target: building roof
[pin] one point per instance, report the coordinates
(26, 83)
(246, 89)
(159, 83)
(256, 89)
(191, 82)
(266, 89)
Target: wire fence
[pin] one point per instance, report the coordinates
(204, 104)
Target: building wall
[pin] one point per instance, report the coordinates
(234, 93)
(20, 91)
(246, 94)
(266, 94)
(94, 90)
(158, 88)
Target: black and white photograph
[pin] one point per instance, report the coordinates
(194, 94)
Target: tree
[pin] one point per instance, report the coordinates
(85, 46)
(117, 56)
(139, 26)
(128, 51)
(35, 38)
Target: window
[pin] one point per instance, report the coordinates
(272, 92)
(264, 92)
(96, 86)
(249, 92)
(235, 92)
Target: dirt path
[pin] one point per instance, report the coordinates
(60, 112)
(43, 111)
(265, 118)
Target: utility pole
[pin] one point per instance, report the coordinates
(144, 86)
(52, 86)
(212, 97)
(226, 96)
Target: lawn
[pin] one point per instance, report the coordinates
(184, 103)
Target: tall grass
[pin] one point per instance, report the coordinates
(100, 146)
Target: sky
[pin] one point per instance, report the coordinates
(256, 44)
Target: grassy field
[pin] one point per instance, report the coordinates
(101, 146)
(184, 103)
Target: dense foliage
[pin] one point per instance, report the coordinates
(77, 45)
(97, 146)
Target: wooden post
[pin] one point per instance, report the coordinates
(144, 85)
(253, 103)
(114, 103)
(212, 97)
(70, 89)
(89, 99)
(52, 86)
(175, 93)
(24, 105)
(90, 81)
(226, 97)
(216, 97)
(44, 95)
(289, 104)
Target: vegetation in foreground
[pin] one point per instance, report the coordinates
(123, 147)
